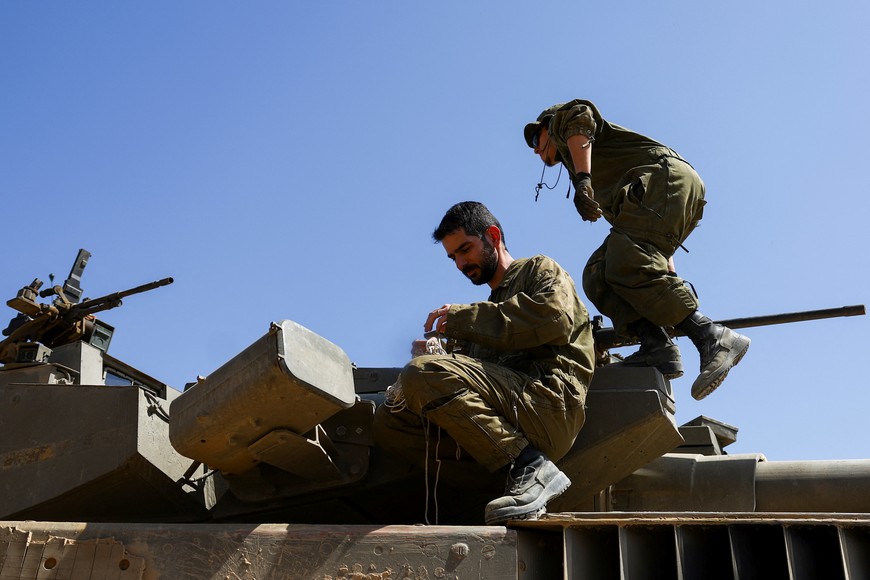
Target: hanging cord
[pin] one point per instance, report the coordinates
(427, 426)
(437, 478)
(516, 421)
(394, 397)
(394, 400)
(426, 473)
(516, 426)
(542, 185)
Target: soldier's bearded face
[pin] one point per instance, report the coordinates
(475, 257)
(483, 271)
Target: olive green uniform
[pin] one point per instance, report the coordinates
(652, 198)
(526, 361)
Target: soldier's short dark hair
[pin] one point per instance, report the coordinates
(471, 216)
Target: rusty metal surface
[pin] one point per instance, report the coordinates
(265, 551)
(634, 546)
(24, 554)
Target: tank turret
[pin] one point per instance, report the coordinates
(85, 435)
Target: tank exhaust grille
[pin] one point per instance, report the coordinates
(706, 547)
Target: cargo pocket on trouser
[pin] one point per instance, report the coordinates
(479, 430)
(648, 213)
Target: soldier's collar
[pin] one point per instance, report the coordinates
(511, 272)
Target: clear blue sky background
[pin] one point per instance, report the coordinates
(290, 160)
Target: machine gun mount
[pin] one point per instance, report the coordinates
(41, 326)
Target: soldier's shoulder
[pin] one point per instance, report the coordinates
(540, 261)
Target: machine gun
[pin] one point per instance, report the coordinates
(63, 321)
(607, 338)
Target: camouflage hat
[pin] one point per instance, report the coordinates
(543, 119)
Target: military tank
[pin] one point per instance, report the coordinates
(266, 468)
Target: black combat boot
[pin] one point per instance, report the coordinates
(720, 348)
(532, 482)
(656, 350)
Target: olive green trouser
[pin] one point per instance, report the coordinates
(492, 413)
(627, 277)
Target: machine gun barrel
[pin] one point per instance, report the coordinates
(112, 300)
(606, 338)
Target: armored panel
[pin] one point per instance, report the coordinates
(629, 422)
(678, 482)
(682, 482)
(92, 453)
(291, 379)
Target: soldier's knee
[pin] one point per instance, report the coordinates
(633, 264)
(412, 376)
(415, 385)
(424, 381)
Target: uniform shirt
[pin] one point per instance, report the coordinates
(533, 323)
(618, 154)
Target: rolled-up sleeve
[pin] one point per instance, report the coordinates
(578, 119)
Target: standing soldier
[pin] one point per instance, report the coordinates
(653, 199)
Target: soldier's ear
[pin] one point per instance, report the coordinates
(494, 235)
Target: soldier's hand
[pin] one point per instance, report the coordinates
(437, 320)
(584, 198)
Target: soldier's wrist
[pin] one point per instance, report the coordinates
(582, 179)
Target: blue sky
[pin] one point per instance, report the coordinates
(289, 161)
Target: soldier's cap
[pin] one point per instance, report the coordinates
(533, 128)
(543, 120)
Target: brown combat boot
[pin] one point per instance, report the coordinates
(720, 348)
(656, 350)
